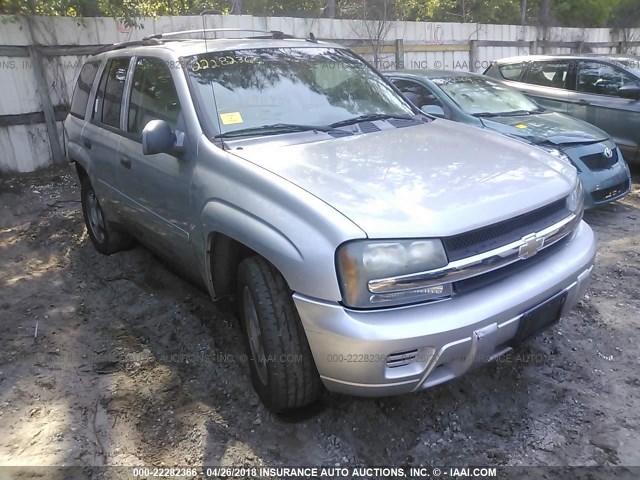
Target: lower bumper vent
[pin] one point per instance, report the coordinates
(401, 359)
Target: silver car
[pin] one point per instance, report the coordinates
(601, 89)
(371, 249)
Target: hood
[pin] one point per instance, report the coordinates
(435, 179)
(549, 127)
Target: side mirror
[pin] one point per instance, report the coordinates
(434, 110)
(629, 91)
(157, 137)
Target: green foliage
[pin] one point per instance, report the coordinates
(284, 8)
(125, 9)
(480, 11)
(571, 13)
(625, 14)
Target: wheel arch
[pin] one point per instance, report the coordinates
(223, 255)
(231, 235)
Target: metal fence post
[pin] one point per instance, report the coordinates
(473, 55)
(533, 47)
(43, 92)
(399, 53)
(47, 107)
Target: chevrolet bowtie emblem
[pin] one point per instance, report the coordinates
(530, 246)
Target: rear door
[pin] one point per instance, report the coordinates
(596, 100)
(157, 187)
(102, 133)
(546, 82)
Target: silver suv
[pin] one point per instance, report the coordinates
(370, 249)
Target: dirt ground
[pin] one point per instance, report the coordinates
(116, 360)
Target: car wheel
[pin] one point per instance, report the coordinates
(103, 236)
(283, 372)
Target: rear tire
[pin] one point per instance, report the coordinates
(283, 372)
(103, 236)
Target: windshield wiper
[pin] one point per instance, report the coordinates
(512, 113)
(368, 118)
(277, 128)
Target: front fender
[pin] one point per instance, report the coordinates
(295, 231)
(304, 256)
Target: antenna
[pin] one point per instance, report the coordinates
(213, 91)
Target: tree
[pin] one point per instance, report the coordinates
(123, 9)
(625, 14)
(571, 13)
(371, 21)
(482, 11)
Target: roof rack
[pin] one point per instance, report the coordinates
(145, 42)
(157, 39)
(276, 34)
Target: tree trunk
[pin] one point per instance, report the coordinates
(545, 13)
(329, 10)
(236, 7)
(90, 8)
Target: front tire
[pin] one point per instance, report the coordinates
(283, 372)
(103, 236)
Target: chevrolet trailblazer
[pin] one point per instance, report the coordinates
(370, 249)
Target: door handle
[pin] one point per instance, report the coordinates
(125, 162)
(584, 102)
(87, 144)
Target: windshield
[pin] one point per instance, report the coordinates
(477, 95)
(248, 89)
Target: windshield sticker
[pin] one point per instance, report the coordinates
(521, 125)
(223, 61)
(231, 118)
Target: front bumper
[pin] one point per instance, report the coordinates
(601, 186)
(364, 352)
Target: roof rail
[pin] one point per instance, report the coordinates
(276, 34)
(136, 43)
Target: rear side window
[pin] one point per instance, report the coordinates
(512, 71)
(602, 79)
(83, 89)
(153, 95)
(109, 96)
(548, 74)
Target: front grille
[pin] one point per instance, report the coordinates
(470, 284)
(611, 192)
(493, 236)
(599, 161)
(401, 359)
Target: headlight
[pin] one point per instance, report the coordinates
(575, 201)
(386, 261)
(559, 154)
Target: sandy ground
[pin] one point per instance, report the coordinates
(115, 360)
